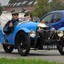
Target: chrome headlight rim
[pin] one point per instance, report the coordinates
(32, 33)
(60, 33)
(43, 25)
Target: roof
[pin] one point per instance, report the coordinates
(15, 3)
(61, 11)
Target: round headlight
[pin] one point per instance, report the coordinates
(42, 25)
(60, 33)
(32, 33)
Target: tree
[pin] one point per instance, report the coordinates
(56, 5)
(0, 9)
(40, 8)
(43, 7)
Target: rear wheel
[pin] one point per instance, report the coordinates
(23, 43)
(60, 46)
(7, 48)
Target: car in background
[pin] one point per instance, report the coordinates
(55, 19)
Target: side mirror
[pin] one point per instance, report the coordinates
(36, 19)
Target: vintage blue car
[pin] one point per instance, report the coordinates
(28, 34)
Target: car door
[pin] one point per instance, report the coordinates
(56, 20)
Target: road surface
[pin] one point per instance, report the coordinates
(52, 55)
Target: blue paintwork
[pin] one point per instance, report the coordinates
(62, 28)
(2, 39)
(25, 26)
(58, 24)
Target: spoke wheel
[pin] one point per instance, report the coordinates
(61, 47)
(7, 48)
(23, 44)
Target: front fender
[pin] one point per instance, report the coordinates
(62, 28)
(23, 29)
(13, 35)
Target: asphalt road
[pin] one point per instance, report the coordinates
(52, 55)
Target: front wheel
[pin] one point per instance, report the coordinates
(23, 43)
(60, 46)
(7, 48)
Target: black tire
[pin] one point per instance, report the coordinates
(60, 47)
(39, 44)
(7, 48)
(23, 43)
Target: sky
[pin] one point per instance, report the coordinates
(4, 2)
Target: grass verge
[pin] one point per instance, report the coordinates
(25, 61)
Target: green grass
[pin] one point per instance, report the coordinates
(25, 61)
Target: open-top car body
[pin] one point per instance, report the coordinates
(19, 38)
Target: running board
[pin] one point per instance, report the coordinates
(8, 44)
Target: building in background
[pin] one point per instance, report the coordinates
(20, 5)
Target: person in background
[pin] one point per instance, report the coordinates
(28, 16)
(9, 27)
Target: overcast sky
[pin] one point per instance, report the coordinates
(4, 2)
